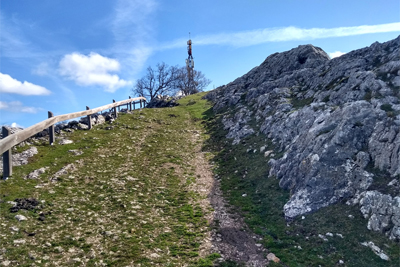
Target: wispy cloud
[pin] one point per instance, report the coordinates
(13, 86)
(17, 107)
(13, 42)
(93, 69)
(267, 35)
(132, 25)
(42, 69)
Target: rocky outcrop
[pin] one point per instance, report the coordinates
(382, 212)
(163, 102)
(335, 122)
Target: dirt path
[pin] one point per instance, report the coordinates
(230, 237)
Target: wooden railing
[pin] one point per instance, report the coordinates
(9, 140)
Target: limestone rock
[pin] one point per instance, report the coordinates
(20, 217)
(272, 257)
(65, 142)
(36, 173)
(333, 120)
(20, 158)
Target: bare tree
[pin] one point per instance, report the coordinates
(165, 80)
(191, 82)
(158, 81)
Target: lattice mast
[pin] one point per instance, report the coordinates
(190, 65)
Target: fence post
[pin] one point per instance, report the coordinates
(140, 101)
(51, 129)
(7, 158)
(115, 110)
(130, 104)
(89, 119)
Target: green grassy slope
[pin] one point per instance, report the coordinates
(125, 202)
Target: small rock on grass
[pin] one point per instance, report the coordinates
(65, 142)
(36, 173)
(20, 217)
(19, 241)
(14, 229)
(76, 152)
(272, 257)
(154, 255)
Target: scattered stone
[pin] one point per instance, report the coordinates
(108, 233)
(339, 235)
(82, 126)
(59, 249)
(76, 260)
(19, 241)
(341, 262)
(154, 255)
(36, 173)
(76, 152)
(351, 216)
(24, 203)
(329, 234)
(244, 195)
(13, 203)
(63, 171)
(14, 229)
(272, 257)
(376, 250)
(20, 217)
(129, 178)
(323, 237)
(22, 158)
(65, 142)
(31, 255)
(6, 263)
(267, 153)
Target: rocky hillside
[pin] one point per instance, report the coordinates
(333, 125)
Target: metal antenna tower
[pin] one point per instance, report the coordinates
(190, 65)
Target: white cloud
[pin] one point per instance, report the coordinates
(92, 70)
(336, 54)
(260, 36)
(11, 85)
(17, 106)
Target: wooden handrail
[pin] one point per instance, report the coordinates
(18, 137)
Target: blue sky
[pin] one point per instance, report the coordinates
(62, 56)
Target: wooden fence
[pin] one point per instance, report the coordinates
(9, 140)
